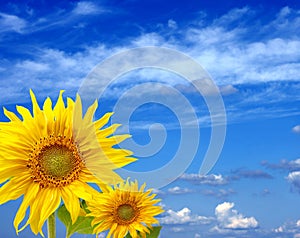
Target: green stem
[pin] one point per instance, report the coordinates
(51, 226)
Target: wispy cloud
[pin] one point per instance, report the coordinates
(63, 18)
(223, 89)
(220, 193)
(225, 51)
(285, 165)
(86, 8)
(252, 174)
(59, 19)
(210, 179)
(265, 192)
(173, 191)
(49, 66)
(234, 61)
(179, 190)
(172, 24)
(11, 23)
(235, 64)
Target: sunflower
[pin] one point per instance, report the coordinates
(52, 155)
(123, 209)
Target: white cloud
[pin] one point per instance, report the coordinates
(253, 174)
(278, 229)
(58, 19)
(205, 85)
(218, 47)
(177, 229)
(292, 165)
(235, 14)
(210, 179)
(197, 235)
(172, 24)
(229, 218)
(179, 190)
(150, 39)
(184, 216)
(221, 231)
(288, 229)
(221, 193)
(233, 61)
(66, 70)
(11, 23)
(229, 60)
(265, 192)
(227, 89)
(86, 8)
(296, 129)
(33, 66)
(294, 179)
(158, 191)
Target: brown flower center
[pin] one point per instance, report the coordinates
(55, 162)
(126, 214)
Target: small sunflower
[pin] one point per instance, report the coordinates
(51, 156)
(123, 209)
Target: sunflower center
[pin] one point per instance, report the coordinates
(55, 161)
(126, 212)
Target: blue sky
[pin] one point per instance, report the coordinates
(251, 51)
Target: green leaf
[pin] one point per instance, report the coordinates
(154, 233)
(81, 226)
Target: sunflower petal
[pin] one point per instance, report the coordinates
(103, 120)
(13, 189)
(35, 105)
(28, 170)
(11, 116)
(29, 196)
(71, 202)
(88, 117)
(105, 210)
(51, 203)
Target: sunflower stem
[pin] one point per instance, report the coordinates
(51, 226)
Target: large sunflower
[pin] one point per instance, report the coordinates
(123, 209)
(52, 155)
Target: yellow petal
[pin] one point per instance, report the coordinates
(88, 117)
(112, 229)
(11, 116)
(8, 170)
(103, 120)
(29, 196)
(108, 131)
(13, 189)
(112, 140)
(82, 190)
(71, 202)
(25, 113)
(49, 114)
(35, 105)
(51, 203)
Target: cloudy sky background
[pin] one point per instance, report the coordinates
(251, 51)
